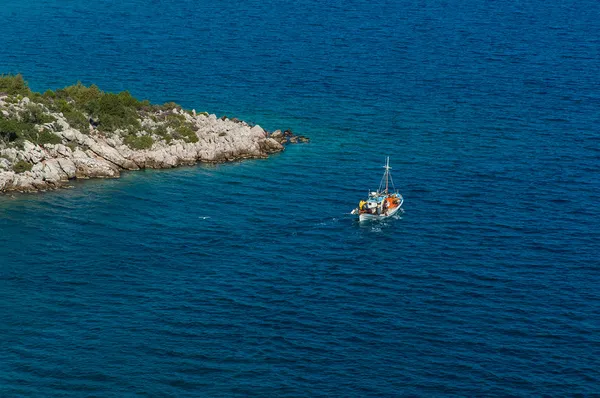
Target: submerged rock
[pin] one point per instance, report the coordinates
(288, 137)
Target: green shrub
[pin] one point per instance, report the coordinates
(174, 119)
(72, 146)
(128, 100)
(34, 114)
(145, 106)
(186, 133)
(77, 120)
(57, 126)
(182, 129)
(17, 131)
(112, 111)
(22, 166)
(61, 105)
(161, 131)
(13, 85)
(115, 111)
(11, 99)
(135, 142)
(80, 95)
(46, 137)
(39, 137)
(13, 129)
(167, 106)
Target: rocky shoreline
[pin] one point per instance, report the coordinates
(164, 137)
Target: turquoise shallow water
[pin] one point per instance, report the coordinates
(249, 278)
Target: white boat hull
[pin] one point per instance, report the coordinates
(373, 217)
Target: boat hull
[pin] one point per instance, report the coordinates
(374, 217)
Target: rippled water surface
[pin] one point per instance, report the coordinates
(249, 278)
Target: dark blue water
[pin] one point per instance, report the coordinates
(248, 279)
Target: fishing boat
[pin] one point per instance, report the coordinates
(384, 202)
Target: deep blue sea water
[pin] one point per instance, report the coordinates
(248, 279)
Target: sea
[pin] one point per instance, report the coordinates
(251, 278)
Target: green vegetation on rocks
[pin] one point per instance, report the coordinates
(22, 166)
(13, 85)
(45, 137)
(88, 110)
(180, 128)
(107, 111)
(142, 142)
(14, 131)
(34, 114)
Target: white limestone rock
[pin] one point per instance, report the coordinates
(32, 153)
(93, 167)
(112, 155)
(5, 164)
(6, 180)
(68, 167)
(100, 155)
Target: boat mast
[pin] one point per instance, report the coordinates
(387, 176)
(387, 172)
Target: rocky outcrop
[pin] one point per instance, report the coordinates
(93, 154)
(287, 137)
